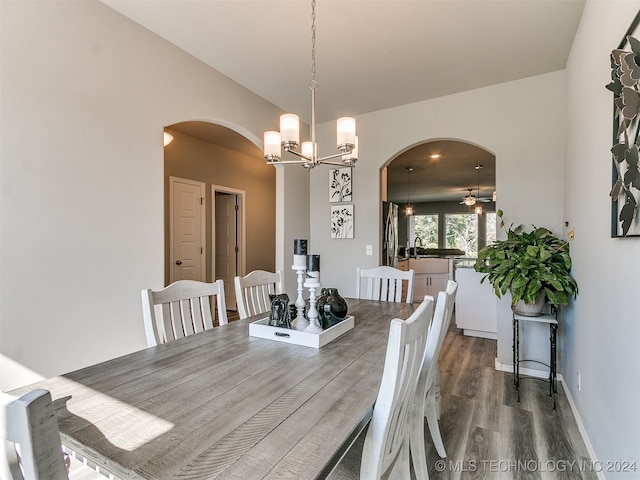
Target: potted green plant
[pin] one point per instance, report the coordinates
(535, 266)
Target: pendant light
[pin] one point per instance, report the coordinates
(409, 210)
(478, 210)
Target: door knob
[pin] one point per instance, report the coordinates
(178, 262)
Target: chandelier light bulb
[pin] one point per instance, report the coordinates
(346, 133)
(290, 129)
(272, 147)
(307, 149)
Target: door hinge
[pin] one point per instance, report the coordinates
(237, 249)
(237, 207)
(201, 200)
(201, 250)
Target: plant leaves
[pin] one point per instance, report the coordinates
(634, 44)
(615, 191)
(630, 67)
(632, 177)
(631, 102)
(631, 155)
(618, 151)
(616, 57)
(628, 213)
(615, 86)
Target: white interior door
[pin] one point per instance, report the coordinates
(187, 230)
(226, 244)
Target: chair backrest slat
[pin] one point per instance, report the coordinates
(253, 290)
(384, 283)
(204, 312)
(185, 309)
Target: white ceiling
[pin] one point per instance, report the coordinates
(370, 54)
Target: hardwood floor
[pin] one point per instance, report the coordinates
(489, 435)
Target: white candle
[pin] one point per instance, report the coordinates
(307, 149)
(272, 144)
(290, 128)
(346, 131)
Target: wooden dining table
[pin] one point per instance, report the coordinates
(223, 404)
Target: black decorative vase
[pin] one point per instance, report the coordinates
(332, 308)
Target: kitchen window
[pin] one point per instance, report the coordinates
(465, 231)
(461, 231)
(425, 230)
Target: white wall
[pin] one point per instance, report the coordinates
(521, 122)
(85, 96)
(601, 335)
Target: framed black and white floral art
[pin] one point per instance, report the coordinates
(342, 221)
(340, 185)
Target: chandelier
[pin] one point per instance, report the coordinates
(289, 135)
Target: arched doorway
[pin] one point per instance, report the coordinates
(228, 164)
(443, 181)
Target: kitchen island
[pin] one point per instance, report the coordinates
(476, 305)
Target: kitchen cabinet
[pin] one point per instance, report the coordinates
(476, 304)
(429, 284)
(431, 276)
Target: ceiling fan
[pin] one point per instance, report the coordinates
(470, 199)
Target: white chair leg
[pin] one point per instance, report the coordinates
(434, 428)
(403, 469)
(416, 441)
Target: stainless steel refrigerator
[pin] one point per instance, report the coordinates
(389, 233)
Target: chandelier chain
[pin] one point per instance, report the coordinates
(313, 83)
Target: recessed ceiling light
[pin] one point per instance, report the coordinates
(434, 156)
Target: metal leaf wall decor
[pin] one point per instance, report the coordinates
(625, 85)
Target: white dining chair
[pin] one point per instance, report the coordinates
(426, 403)
(385, 452)
(451, 290)
(384, 283)
(253, 290)
(31, 441)
(185, 309)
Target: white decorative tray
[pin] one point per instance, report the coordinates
(262, 329)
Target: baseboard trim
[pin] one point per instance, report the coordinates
(581, 428)
(583, 433)
(530, 372)
(480, 333)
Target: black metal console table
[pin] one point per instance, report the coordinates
(552, 321)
